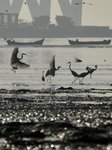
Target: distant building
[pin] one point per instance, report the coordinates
(8, 20)
(68, 8)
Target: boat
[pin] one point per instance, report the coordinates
(77, 42)
(13, 42)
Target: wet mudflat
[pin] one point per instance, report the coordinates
(44, 119)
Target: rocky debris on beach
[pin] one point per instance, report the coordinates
(47, 119)
(58, 90)
(52, 135)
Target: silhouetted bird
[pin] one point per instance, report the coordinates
(43, 78)
(24, 2)
(6, 10)
(83, 3)
(15, 62)
(92, 70)
(73, 72)
(78, 60)
(52, 69)
(5, 39)
(84, 74)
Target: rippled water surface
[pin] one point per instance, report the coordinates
(38, 58)
(59, 114)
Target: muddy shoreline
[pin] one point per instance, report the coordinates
(40, 119)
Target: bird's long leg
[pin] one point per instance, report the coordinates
(50, 78)
(80, 81)
(74, 79)
(90, 75)
(47, 79)
(13, 70)
(43, 82)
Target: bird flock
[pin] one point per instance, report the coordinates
(17, 64)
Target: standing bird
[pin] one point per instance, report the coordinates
(92, 70)
(15, 61)
(52, 69)
(84, 74)
(5, 39)
(73, 72)
(43, 78)
(78, 60)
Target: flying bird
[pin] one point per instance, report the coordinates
(92, 70)
(15, 61)
(52, 69)
(6, 10)
(83, 3)
(75, 74)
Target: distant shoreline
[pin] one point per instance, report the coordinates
(57, 32)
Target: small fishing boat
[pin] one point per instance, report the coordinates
(13, 42)
(88, 42)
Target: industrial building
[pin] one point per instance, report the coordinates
(68, 8)
(8, 20)
(68, 25)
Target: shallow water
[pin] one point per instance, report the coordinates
(38, 58)
(76, 111)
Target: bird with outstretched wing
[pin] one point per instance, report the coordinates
(15, 61)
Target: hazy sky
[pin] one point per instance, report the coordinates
(100, 13)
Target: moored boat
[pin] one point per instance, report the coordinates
(88, 42)
(35, 43)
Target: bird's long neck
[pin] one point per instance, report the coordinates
(58, 68)
(95, 68)
(70, 67)
(21, 56)
(88, 69)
